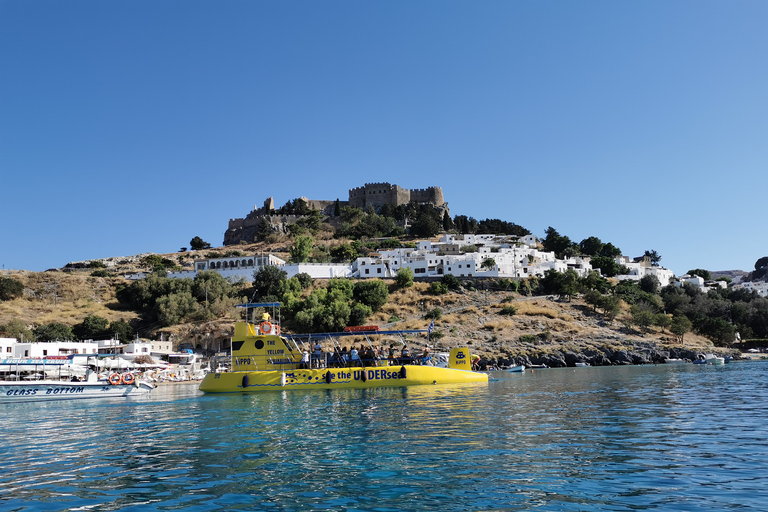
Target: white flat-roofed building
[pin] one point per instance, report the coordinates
(372, 267)
(6, 347)
(243, 268)
(35, 350)
(137, 348)
(697, 281)
(761, 287)
(232, 267)
(317, 270)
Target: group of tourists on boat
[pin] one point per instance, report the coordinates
(371, 355)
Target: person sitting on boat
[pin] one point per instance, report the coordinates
(305, 361)
(391, 355)
(405, 355)
(333, 360)
(344, 356)
(426, 357)
(366, 355)
(354, 357)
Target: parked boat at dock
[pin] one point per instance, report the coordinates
(264, 359)
(25, 386)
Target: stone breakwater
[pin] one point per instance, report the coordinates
(638, 354)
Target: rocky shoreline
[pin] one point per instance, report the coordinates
(640, 353)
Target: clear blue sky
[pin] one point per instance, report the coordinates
(133, 126)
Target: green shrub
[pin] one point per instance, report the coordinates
(373, 293)
(435, 314)
(304, 279)
(436, 335)
(508, 310)
(404, 278)
(359, 314)
(529, 338)
(438, 288)
(451, 281)
(10, 288)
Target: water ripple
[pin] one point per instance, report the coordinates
(668, 438)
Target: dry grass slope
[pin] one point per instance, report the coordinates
(63, 297)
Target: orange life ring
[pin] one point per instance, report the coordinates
(277, 329)
(115, 379)
(265, 327)
(128, 378)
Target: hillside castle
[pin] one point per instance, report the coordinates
(371, 194)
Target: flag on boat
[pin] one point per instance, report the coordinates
(431, 327)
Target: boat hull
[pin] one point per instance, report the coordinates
(41, 391)
(336, 378)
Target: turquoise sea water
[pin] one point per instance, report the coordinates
(676, 437)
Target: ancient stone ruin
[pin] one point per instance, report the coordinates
(374, 195)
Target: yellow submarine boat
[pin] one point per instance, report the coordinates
(264, 359)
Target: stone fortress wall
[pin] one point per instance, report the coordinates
(379, 194)
(370, 194)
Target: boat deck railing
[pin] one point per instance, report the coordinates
(326, 360)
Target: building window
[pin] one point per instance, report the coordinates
(45, 352)
(378, 271)
(367, 271)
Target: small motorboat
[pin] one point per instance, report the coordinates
(516, 369)
(709, 359)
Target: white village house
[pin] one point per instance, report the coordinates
(513, 257)
(642, 268)
(760, 287)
